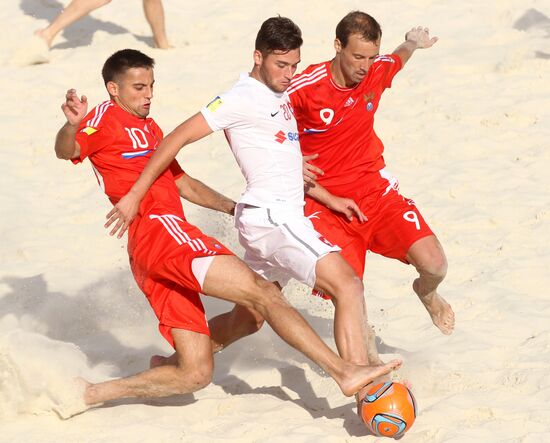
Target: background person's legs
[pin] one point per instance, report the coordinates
(154, 13)
(73, 12)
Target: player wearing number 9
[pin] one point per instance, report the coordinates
(334, 103)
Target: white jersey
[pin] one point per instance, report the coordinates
(262, 132)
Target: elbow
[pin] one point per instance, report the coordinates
(65, 155)
(62, 155)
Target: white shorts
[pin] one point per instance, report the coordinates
(281, 244)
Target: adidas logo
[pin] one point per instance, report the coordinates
(349, 102)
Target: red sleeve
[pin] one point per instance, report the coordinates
(91, 138)
(391, 64)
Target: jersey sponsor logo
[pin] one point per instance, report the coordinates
(214, 104)
(89, 130)
(281, 137)
(350, 101)
(273, 114)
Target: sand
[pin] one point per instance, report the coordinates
(466, 127)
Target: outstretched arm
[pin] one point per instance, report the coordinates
(127, 207)
(346, 206)
(75, 109)
(416, 38)
(197, 192)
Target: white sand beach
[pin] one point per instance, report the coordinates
(466, 127)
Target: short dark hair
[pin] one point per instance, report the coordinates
(357, 22)
(122, 60)
(278, 34)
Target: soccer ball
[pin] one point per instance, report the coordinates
(388, 409)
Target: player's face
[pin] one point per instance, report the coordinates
(277, 68)
(133, 91)
(356, 58)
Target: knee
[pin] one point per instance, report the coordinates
(254, 323)
(262, 294)
(349, 288)
(435, 266)
(193, 380)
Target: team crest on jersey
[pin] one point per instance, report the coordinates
(368, 99)
(214, 104)
(89, 130)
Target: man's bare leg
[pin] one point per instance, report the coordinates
(355, 339)
(192, 372)
(73, 12)
(154, 13)
(225, 329)
(229, 278)
(427, 256)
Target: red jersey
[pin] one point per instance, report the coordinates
(119, 146)
(337, 123)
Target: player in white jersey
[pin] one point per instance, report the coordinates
(280, 242)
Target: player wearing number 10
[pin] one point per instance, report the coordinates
(334, 103)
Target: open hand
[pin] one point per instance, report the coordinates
(74, 108)
(420, 36)
(348, 207)
(123, 213)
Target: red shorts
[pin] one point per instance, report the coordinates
(162, 248)
(394, 224)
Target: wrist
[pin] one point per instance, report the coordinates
(412, 44)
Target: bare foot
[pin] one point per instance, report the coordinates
(41, 33)
(440, 311)
(162, 44)
(71, 399)
(358, 377)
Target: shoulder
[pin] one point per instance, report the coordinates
(311, 75)
(98, 116)
(387, 60)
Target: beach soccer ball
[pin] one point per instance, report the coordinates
(388, 409)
